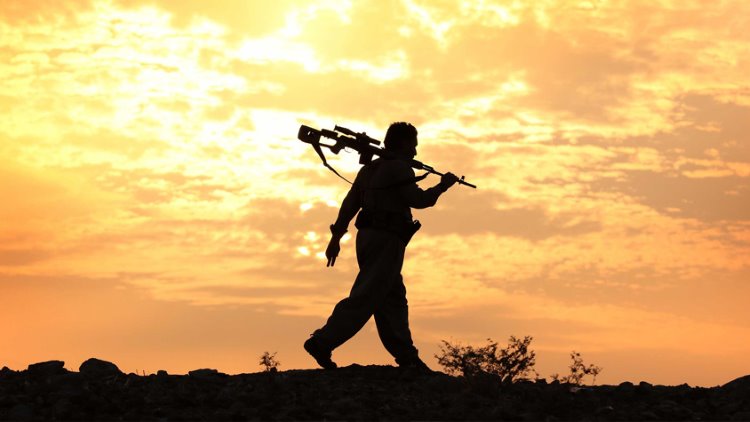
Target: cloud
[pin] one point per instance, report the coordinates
(16, 257)
(245, 18)
(483, 216)
(705, 199)
(43, 210)
(607, 141)
(710, 124)
(27, 11)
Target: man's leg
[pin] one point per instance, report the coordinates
(392, 320)
(380, 256)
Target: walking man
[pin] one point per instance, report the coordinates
(385, 190)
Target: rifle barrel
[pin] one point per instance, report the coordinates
(429, 169)
(463, 182)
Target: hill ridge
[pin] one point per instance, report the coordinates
(101, 391)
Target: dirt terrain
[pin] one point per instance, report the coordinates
(99, 391)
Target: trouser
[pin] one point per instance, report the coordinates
(378, 290)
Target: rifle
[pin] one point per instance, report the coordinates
(359, 141)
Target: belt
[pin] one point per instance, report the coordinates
(393, 222)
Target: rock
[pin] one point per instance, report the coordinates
(626, 385)
(648, 415)
(46, 369)
(644, 388)
(625, 388)
(21, 412)
(99, 368)
(605, 410)
(206, 374)
(6, 372)
(62, 408)
(741, 383)
(70, 385)
(356, 392)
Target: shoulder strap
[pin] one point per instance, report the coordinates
(367, 184)
(317, 149)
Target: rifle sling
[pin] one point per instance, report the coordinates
(317, 149)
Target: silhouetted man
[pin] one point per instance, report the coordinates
(385, 190)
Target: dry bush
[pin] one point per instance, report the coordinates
(513, 363)
(269, 362)
(578, 370)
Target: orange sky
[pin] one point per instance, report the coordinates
(157, 210)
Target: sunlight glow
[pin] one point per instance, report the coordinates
(437, 28)
(491, 14)
(150, 163)
(393, 67)
(303, 250)
(272, 49)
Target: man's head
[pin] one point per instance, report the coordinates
(401, 138)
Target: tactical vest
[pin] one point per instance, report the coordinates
(373, 217)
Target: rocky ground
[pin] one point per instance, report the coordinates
(99, 391)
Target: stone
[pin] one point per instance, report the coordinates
(737, 390)
(644, 388)
(741, 383)
(70, 385)
(99, 368)
(605, 410)
(62, 408)
(6, 372)
(627, 385)
(46, 369)
(648, 415)
(356, 392)
(20, 412)
(206, 374)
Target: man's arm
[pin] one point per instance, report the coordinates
(349, 208)
(347, 211)
(416, 197)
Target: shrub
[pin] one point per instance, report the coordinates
(513, 363)
(578, 370)
(269, 362)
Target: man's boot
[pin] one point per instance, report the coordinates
(414, 364)
(323, 357)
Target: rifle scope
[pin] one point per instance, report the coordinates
(308, 135)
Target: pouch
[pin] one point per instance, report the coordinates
(388, 221)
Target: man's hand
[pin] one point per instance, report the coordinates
(447, 180)
(332, 251)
